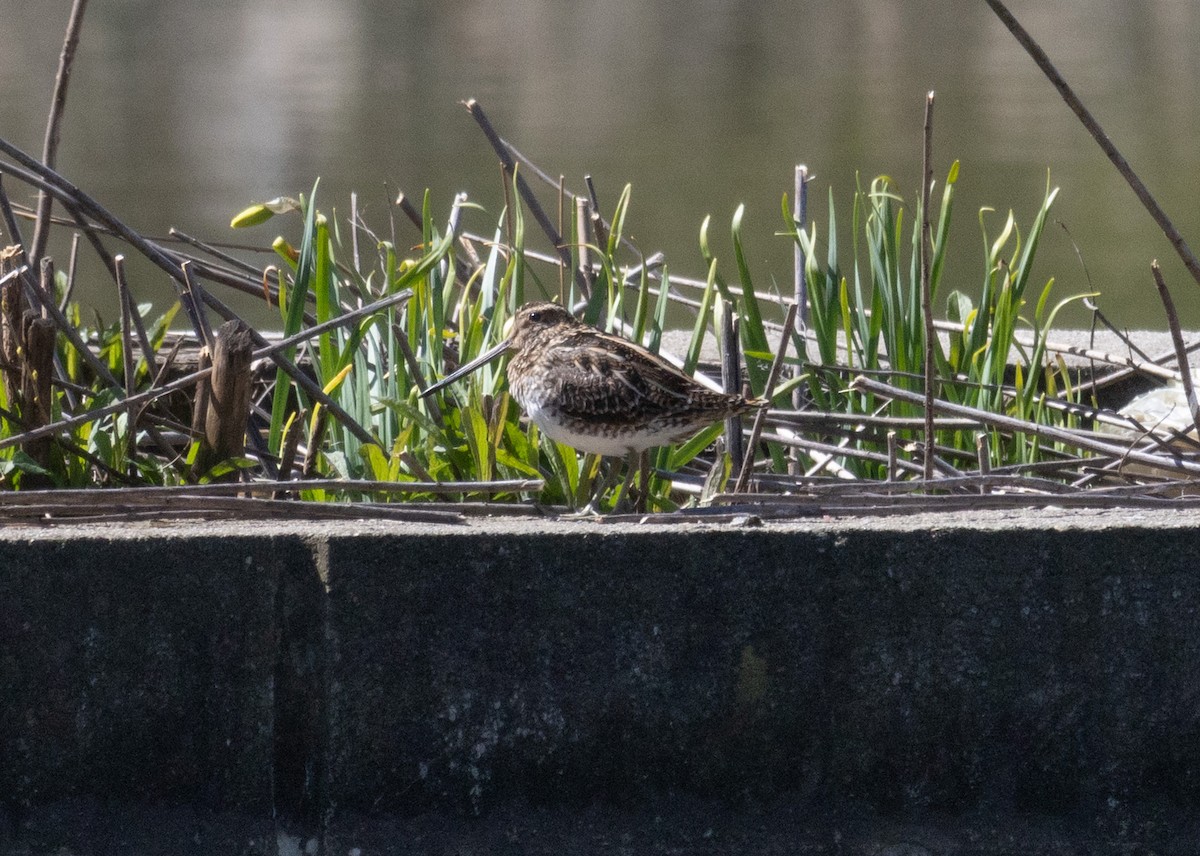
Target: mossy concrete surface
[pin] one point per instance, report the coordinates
(374, 685)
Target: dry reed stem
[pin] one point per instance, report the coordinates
(760, 417)
(222, 423)
(41, 228)
(539, 214)
(191, 379)
(140, 494)
(40, 175)
(52, 508)
(12, 310)
(1075, 439)
(1185, 370)
(731, 382)
(37, 371)
(1084, 115)
(926, 293)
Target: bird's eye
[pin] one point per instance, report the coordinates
(535, 316)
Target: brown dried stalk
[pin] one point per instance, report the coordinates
(41, 227)
(1075, 439)
(926, 295)
(1185, 370)
(1089, 121)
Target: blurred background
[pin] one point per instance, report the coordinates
(181, 114)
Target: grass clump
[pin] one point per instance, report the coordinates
(991, 354)
(367, 321)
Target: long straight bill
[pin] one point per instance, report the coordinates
(486, 357)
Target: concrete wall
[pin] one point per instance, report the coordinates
(1047, 663)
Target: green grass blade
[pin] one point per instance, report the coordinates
(294, 319)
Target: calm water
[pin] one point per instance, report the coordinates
(182, 113)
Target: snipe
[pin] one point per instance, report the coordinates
(597, 392)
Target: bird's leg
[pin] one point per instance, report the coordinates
(603, 480)
(643, 494)
(631, 467)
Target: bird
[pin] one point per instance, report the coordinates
(597, 392)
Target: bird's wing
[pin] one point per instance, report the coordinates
(597, 375)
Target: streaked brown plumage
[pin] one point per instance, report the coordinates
(597, 392)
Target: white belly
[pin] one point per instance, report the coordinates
(601, 444)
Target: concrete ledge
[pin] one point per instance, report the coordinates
(139, 668)
(946, 672)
